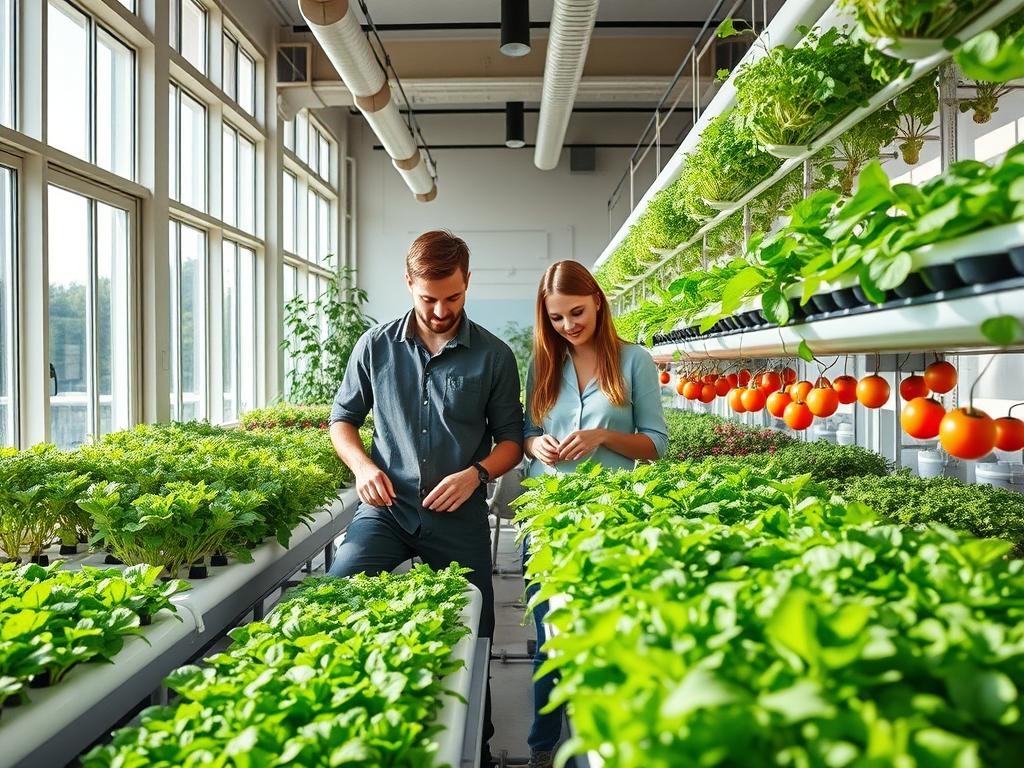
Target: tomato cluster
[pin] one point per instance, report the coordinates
(966, 433)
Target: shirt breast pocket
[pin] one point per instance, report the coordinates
(463, 396)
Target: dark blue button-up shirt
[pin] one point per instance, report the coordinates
(435, 415)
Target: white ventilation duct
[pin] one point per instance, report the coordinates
(340, 35)
(572, 23)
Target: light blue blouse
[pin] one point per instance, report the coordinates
(641, 413)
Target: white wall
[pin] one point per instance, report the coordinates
(516, 219)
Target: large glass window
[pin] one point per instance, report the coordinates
(115, 104)
(67, 62)
(239, 328)
(239, 180)
(89, 116)
(238, 74)
(319, 232)
(8, 244)
(188, 322)
(290, 213)
(89, 333)
(188, 149)
(189, 31)
(8, 63)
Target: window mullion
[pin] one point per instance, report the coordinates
(92, 343)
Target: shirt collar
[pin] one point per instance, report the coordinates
(406, 329)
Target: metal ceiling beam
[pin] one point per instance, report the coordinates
(534, 110)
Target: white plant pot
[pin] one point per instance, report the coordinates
(845, 438)
(931, 463)
(996, 475)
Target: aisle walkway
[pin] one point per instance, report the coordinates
(511, 685)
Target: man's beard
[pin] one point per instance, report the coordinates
(431, 323)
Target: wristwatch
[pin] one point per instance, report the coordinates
(481, 470)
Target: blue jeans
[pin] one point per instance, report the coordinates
(547, 728)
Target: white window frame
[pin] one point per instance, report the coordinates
(175, 43)
(97, 193)
(174, 191)
(93, 27)
(175, 345)
(14, 164)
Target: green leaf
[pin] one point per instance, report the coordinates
(775, 306)
(737, 288)
(1003, 330)
(804, 351)
(727, 29)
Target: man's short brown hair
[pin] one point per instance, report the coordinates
(436, 255)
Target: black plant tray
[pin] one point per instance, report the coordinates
(986, 268)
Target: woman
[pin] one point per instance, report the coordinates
(589, 395)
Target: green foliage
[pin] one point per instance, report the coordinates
(925, 19)
(723, 166)
(287, 415)
(791, 95)
(995, 56)
(714, 615)
(520, 340)
(52, 620)
(978, 509)
(342, 672)
(699, 435)
(863, 143)
(916, 107)
(320, 335)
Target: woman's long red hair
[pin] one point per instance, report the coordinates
(570, 278)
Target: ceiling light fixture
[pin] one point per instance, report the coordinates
(514, 133)
(515, 27)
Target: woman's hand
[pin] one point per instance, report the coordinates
(580, 444)
(544, 448)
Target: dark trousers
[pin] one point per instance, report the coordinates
(546, 730)
(375, 543)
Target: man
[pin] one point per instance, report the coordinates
(446, 418)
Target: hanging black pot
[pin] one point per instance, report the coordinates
(111, 560)
(43, 560)
(198, 570)
(220, 560)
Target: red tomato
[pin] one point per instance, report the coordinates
(736, 399)
(1009, 433)
(707, 393)
(873, 391)
(744, 377)
(771, 381)
(710, 378)
(967, 433)
(722, 386)
(846, 389)
(753, 399)
(680, 386)
(913, 386)
(940, 377)
(801, 390)
(733, 379)
(822, 381)
(798, 416)
(788, 376)
(665, 378)
(822, 401)
(777, 402)
(921, 417)
(691, 390)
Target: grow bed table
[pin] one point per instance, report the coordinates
(60, 722)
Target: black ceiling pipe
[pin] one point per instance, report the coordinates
(515, 27)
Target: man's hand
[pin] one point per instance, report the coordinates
(452, 492)
(373, 486)
(580, 443)
(545, 448)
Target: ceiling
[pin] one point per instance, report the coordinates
(461, 11)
